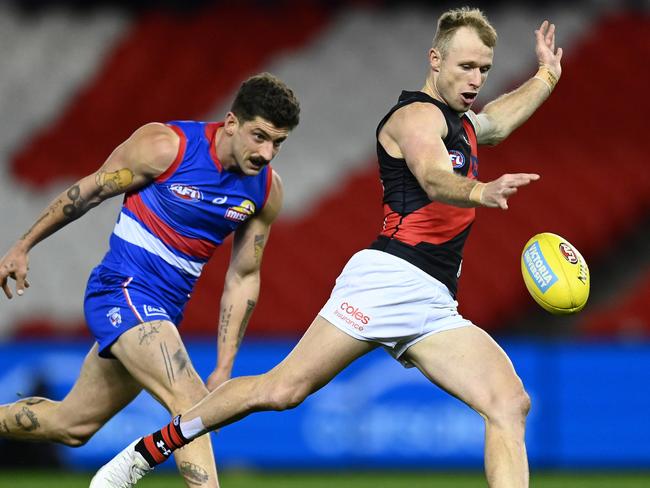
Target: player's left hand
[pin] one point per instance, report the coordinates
(545, 48)
(217, 378)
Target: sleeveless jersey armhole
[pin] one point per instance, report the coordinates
(269, 182)
(179, 156)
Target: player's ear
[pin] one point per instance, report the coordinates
(231, 123)
(435, 59)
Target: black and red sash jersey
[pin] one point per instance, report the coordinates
(430, 235)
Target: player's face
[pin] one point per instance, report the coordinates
(255, 144)
(462, 70)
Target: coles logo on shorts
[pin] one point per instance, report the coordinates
(457, 159)
(351, 314)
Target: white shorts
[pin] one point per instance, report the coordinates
(384, 299)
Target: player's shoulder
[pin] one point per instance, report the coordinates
(417, 117)
(156, 138)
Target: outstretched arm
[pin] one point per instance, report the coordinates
(502, 116)
(133, 164)
(242, 283)
(416, 133)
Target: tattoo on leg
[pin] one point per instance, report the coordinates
(193, 473)
(182, 362)
(250, 305)
(34, 400)
(168, 363)
(146, 332)
(27, 420)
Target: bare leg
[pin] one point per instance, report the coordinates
(155, 356)
(320, 355)
(468, 364)
(73, 420)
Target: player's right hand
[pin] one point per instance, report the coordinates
(14, 265)
(496, 193)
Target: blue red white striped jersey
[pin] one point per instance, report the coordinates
(169, 229)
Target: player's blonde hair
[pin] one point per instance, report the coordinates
(454, 19)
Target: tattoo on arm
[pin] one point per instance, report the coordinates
(193, 473)
(225, 321)
(78, 206)
(259, 247)
(50, 210)
(116, 181)
(250, 305)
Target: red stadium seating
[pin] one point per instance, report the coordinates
(591, 191)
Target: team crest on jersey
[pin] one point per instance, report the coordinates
(185, 192)
(241, 212)
(457, 159)
(114, 316)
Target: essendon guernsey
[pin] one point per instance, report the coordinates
(430, 235)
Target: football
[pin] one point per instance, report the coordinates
(555, 273)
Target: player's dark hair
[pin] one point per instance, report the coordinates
(452, 20)
(267, 97)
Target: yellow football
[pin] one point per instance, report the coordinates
(555, 274)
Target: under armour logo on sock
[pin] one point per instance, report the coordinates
(163, 448)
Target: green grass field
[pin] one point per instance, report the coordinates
(15, 479)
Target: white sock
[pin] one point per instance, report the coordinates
(192, 428)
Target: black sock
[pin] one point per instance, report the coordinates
(157, 447)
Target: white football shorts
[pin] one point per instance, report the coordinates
(384, 299)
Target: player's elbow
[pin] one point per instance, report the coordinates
(495, 138)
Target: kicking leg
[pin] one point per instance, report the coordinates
(320, 355)
(73, 420)
(468, 363)
(155, 356)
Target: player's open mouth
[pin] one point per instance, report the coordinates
(468, 97)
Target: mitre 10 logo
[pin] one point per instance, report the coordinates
(355, 313)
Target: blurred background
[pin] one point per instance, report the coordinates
(77, 77)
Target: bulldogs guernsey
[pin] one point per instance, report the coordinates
(166, 232)
(430, 235)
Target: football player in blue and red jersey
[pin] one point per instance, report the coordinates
(187, 186)
(400, 292)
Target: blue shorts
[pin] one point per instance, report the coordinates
(115, 303)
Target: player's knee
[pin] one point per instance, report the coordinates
(285, 395)
(181, 399)
(510, 408)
